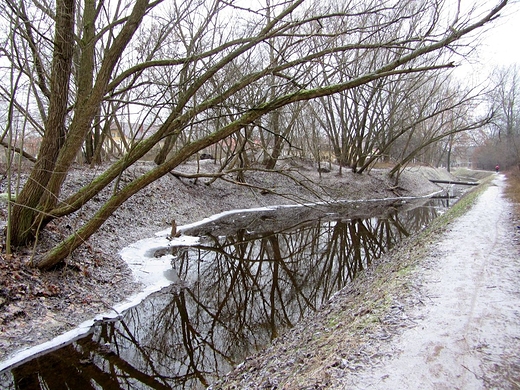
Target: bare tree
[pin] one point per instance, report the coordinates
(503, 142)
(450, 119)
(200, 52)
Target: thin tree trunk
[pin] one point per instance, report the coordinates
(165, 150)
(272, 158)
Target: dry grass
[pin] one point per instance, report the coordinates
(513, 188)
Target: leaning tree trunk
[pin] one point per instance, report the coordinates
(26, 207)
(40, 196)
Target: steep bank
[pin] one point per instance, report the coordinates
(36, 306)
(438, 312)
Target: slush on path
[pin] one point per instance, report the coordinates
(467, 333)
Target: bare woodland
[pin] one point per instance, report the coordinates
(115, 82)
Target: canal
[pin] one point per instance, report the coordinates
(246, 278)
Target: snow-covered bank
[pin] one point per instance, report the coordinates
(97, 283)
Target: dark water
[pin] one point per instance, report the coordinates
(251, 277)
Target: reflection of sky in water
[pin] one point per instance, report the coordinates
(230, 292)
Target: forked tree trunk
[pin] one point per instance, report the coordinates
(272, 158)
(40, 193)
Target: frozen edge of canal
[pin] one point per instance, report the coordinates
(152, 273)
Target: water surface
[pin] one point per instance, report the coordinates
(250, 277)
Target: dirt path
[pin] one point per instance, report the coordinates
(467, 333)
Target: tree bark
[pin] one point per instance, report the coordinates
(82, 121)
(26, 207)
(85, 74)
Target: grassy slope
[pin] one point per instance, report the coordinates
(342, 333)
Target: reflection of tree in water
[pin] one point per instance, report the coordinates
(234, 296)
(89, 363)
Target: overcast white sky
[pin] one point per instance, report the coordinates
(500, 46)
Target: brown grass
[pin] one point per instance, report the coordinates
(513, 188)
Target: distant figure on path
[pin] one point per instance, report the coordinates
(497, 168)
